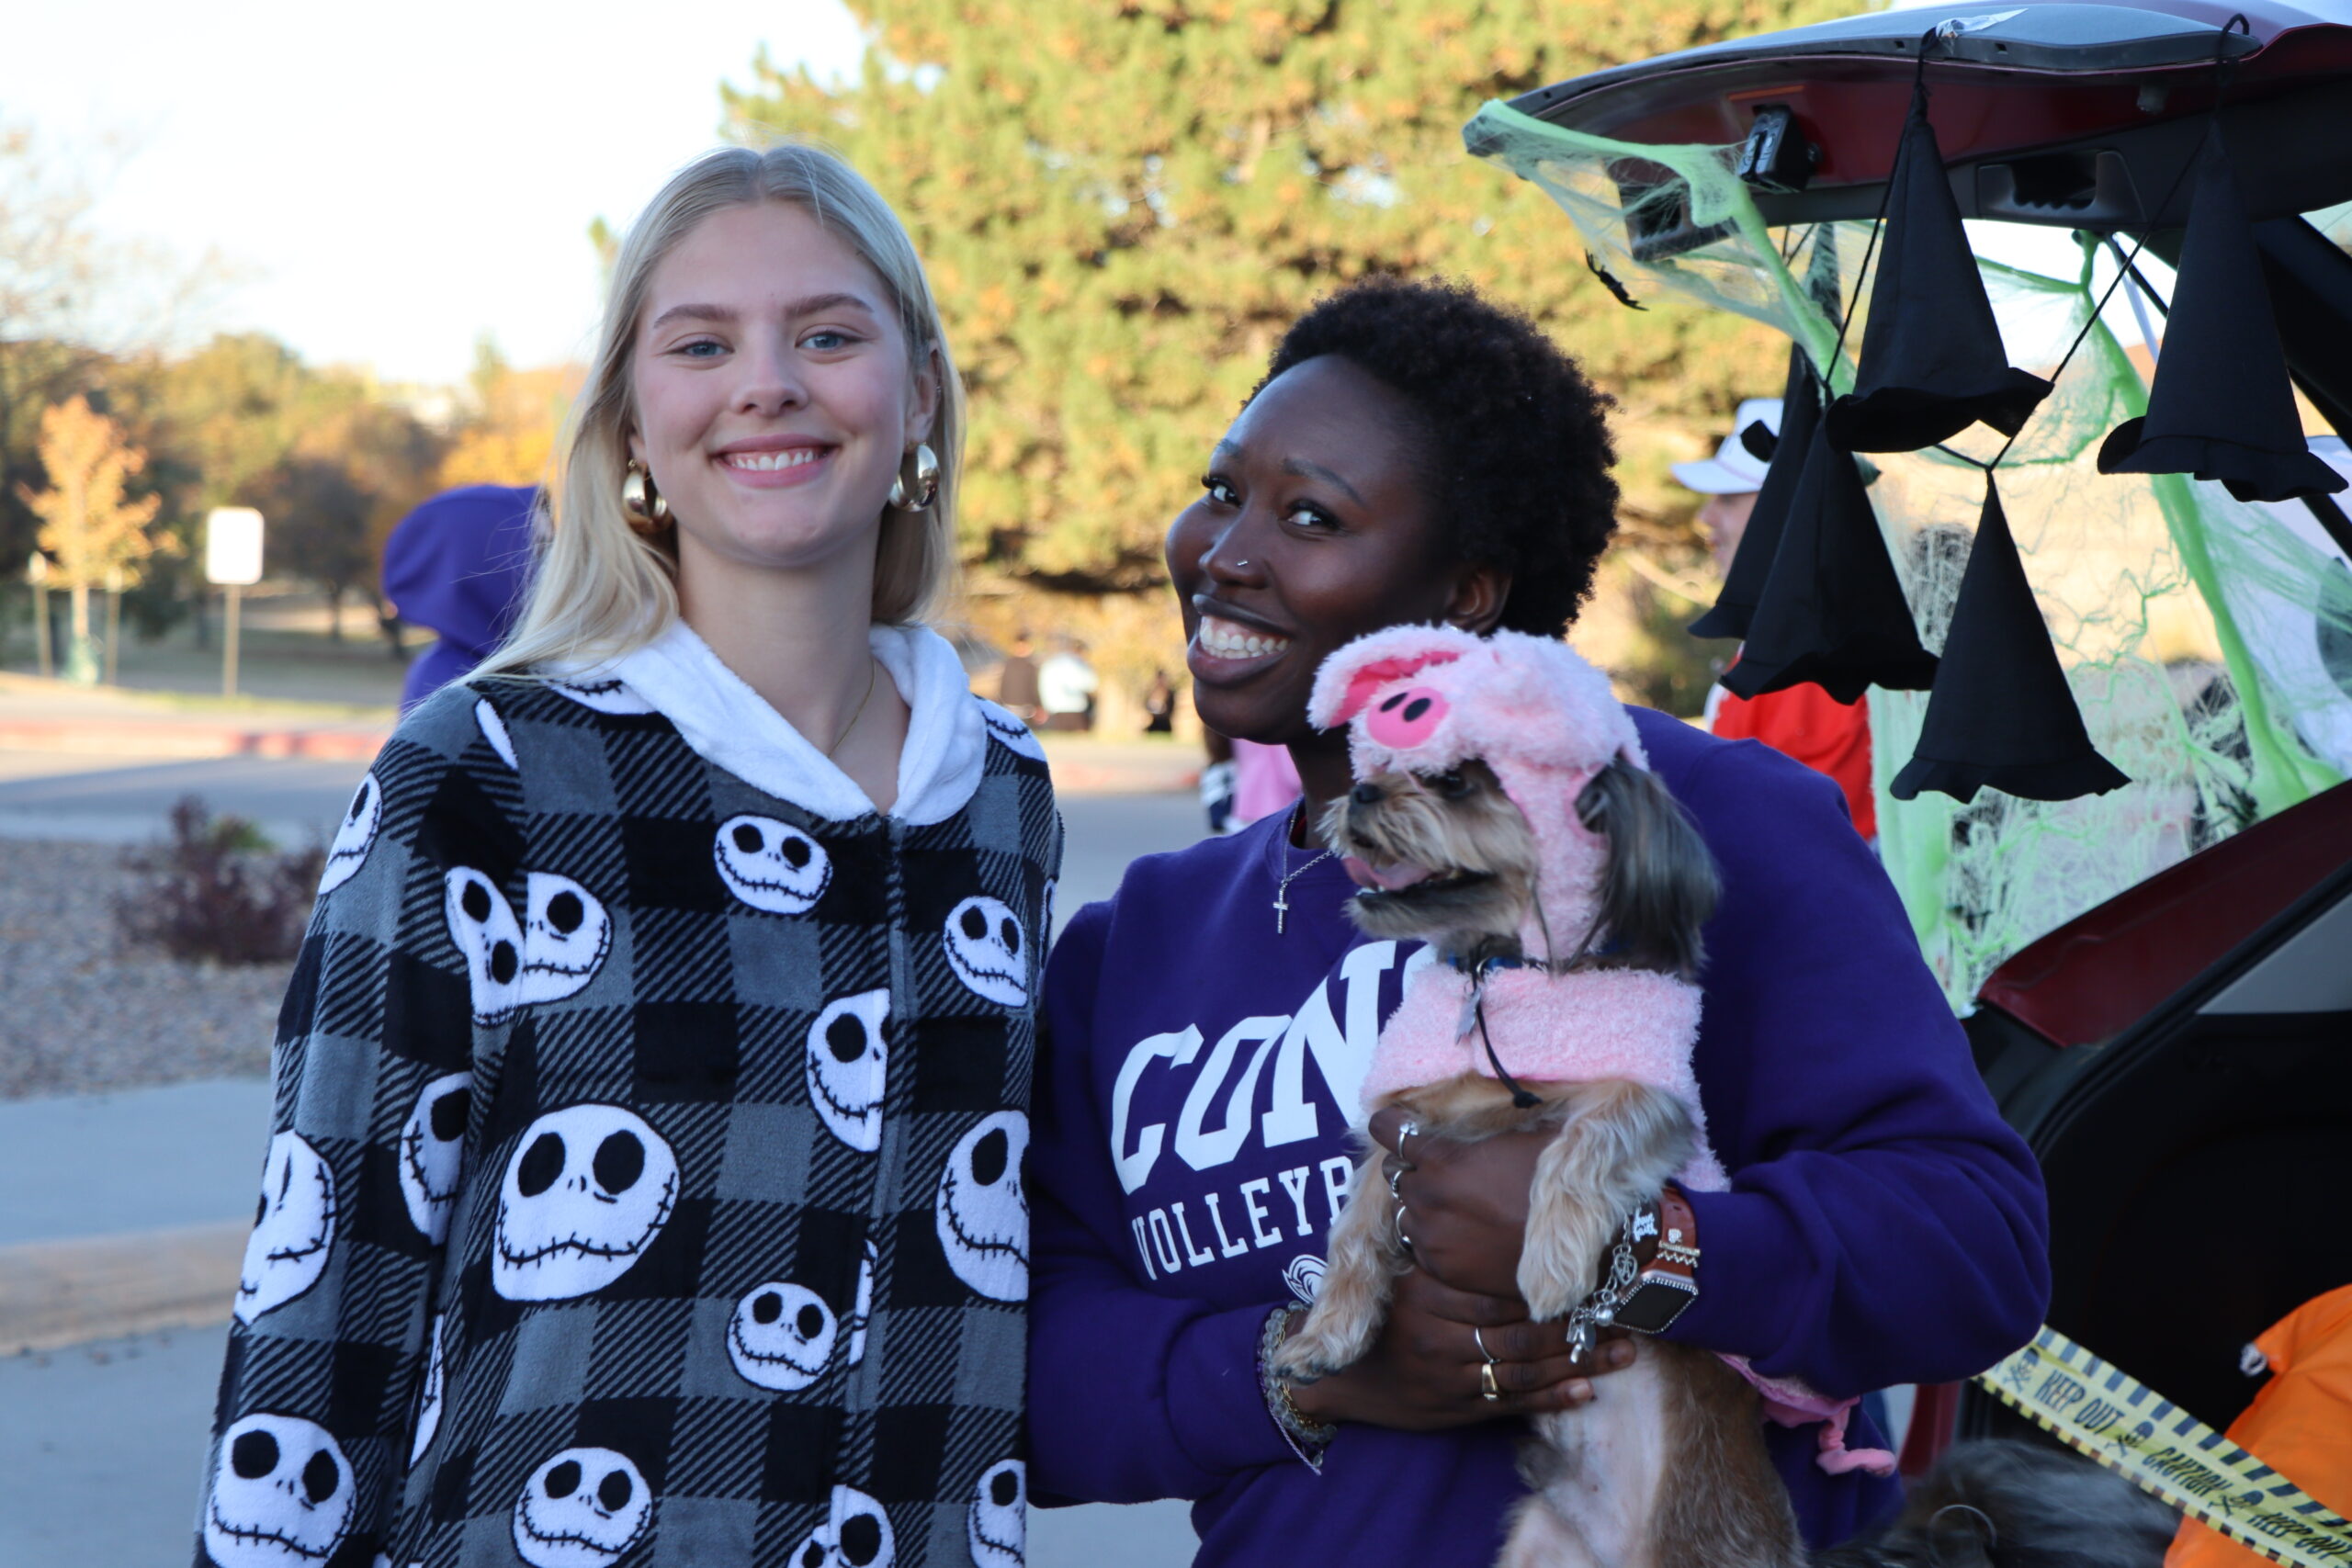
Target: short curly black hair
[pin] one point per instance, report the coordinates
(1519, 436)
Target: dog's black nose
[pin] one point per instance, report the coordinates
(1365, 795)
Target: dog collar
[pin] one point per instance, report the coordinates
(1492, 961)
(1474, 1015)
(1479, 970)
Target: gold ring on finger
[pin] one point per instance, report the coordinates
(1488, 1389)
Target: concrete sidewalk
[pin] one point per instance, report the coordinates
(123, 1214)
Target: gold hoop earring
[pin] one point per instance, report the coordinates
(647, 509)
(926, 482)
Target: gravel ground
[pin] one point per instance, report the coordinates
(80, 1012)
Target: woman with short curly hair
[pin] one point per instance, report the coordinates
(1417, 453)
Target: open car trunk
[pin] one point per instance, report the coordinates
(2072, 116)
(2180, 1060)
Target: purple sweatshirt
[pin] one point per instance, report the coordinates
(1198, 1078)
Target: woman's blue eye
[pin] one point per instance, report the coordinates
(828, 341)
(696, 348)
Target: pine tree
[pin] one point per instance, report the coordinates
(90, 528)
(1123, 203)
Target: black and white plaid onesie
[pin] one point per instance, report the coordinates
(645, 1184)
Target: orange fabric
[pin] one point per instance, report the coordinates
(1818, 730)
(2300, 1425)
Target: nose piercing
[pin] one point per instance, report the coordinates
(1241, 563)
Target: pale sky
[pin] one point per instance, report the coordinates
(394, 180)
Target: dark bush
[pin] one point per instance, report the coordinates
(218, 890)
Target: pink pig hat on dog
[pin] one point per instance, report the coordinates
(1425, 699)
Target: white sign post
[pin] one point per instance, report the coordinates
(233, 561)
(37, 573)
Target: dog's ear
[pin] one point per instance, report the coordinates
(1661, 884)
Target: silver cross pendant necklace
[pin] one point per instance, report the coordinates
(1281, 889)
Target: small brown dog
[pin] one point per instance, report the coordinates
(1502, 799)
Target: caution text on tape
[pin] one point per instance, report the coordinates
(2164, 1449)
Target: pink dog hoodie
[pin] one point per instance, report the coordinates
(1425, 699)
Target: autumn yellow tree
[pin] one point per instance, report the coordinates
(508, 437)
(91, 527)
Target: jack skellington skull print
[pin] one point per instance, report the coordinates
(581, 1508)
(551, 953)
(987, 950)
(293, 1233)
(587, 1189)
(617, 1099)
(354, 836)
(996, 1527)
(855, 1534)
(982, 1213)
(781, 1336)
(849, 1064)
(433, 1153)
(772, 865)
(281, 1495)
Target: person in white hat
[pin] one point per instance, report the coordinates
(1803, 721)
(1730, 480)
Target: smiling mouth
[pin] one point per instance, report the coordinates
(1221, 639)
(770, 462)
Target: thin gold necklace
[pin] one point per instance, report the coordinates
(870, 671)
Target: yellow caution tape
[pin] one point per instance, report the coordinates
(2164, 1449)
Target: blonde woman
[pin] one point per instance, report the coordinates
(645, 1178)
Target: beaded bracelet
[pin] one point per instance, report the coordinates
(1306, 1439)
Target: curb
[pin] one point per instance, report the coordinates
(1074, 771)
(54, 1293)
(114, 740)
(1097, 778)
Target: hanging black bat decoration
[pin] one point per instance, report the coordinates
(1592, 265)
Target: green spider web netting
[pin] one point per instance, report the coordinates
(2207, 641)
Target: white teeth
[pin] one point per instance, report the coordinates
(1224, 640)
(768, 462)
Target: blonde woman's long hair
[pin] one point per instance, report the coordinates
(599, 589)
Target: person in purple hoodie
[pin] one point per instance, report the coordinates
(1418, 455)
(456, 565)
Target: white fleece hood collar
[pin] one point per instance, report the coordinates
(727, 723)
